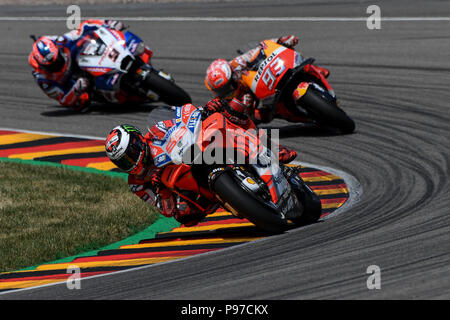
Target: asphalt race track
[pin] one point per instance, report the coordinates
(393, 82)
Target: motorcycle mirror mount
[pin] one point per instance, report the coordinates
(32, 36)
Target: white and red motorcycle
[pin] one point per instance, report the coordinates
(118, 66)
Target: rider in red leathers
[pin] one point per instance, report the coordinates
(54, 68)
(133, 152)
(223, 77)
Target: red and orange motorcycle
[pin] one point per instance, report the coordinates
(225, 166)
(291, 87)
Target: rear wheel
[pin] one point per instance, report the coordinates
(167, 90)
(238, 199)
(325, 112)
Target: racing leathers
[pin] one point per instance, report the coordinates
(183, 206)
(66, 85)
(246, 61)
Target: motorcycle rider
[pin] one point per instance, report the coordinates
(132, 152)
(224, 79)
(54, 69)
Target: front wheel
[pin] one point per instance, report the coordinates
(237, 199)
(326, 112)
(167, 90)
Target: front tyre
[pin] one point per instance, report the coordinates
(167, 90)
(310, 201)
(238, 199)
(325, 112)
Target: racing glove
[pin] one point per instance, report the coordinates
(81, 86)
(165, 203)
(114, 24)
(155, 178)
(214, 105)
(187, 215)
(83, 105)
(286, 154)
(289, 41)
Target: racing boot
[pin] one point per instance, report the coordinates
(186, 211)
(286, 154)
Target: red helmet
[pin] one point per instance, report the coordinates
(127, 149)
(221, 79)
(48, 55)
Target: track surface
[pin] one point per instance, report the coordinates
(393, 82)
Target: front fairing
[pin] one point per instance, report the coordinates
(105, 51)
(269, 68)
(180, 137)
(133, 43)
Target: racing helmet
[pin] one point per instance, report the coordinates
(126, 147)
(48, 55)
(220, 79)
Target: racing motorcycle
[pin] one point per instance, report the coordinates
(118, 65)
(279, 73)
(270, 195)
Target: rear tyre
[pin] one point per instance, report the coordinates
(326, 113)
(168, 91)
(247, 205)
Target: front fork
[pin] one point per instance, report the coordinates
(141, 74)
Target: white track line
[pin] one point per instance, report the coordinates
(236, 19)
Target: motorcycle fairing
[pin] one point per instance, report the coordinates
(108, 81)
(133, 43)
(104, 51)
(264, 80)
(281, 197)
(179, 137)
(189, 130)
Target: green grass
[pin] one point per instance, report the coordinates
(48, 213)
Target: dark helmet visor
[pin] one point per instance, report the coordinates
(57, 65)
(227, 89)
(135, 150)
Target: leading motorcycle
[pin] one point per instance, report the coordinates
(230, 168)
(289, 86)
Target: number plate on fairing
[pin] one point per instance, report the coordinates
(181, 136)
(104, 52)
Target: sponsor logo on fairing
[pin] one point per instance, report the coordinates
(162, 160)
(193, 120)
